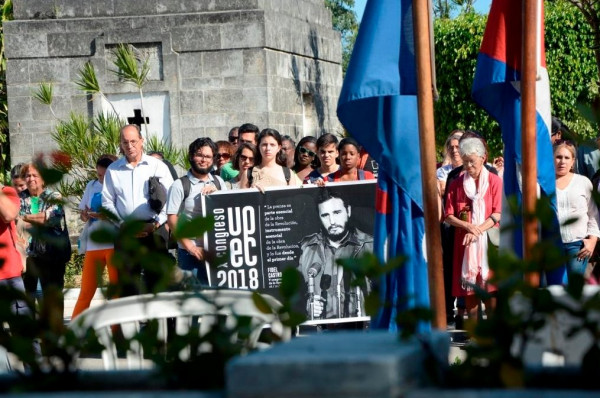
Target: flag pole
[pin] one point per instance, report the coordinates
(428, 161)
(529, 130)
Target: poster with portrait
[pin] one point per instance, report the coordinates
(308, 228)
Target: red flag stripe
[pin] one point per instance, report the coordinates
(382, 202)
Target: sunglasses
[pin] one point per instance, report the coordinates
(307, 151)
(224, 155)
(244, 158)
(233, 139)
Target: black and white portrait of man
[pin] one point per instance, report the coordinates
(330, 293)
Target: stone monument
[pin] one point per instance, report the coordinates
(215, 64)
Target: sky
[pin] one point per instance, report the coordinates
(481, 6)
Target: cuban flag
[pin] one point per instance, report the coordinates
(496, 88)
(378, 107)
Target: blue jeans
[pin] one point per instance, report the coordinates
(187, 262)
(560, 275)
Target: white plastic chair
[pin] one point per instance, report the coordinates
(189, 309)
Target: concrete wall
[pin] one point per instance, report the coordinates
(274, 63)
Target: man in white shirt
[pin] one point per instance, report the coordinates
(185, 200)
(125, 194)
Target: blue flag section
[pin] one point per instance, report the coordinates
(378, 107)
(496, 88)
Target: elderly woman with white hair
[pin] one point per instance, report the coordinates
(473, 206)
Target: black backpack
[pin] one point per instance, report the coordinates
(187, 186)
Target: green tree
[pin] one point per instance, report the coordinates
(590, 9)
(442, 8)
(344, 21)
(570, 63)
(457, 43)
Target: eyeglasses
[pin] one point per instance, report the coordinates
(245, 158)
(203, 157)
(233, 139)
(307, 151)
(223, 155)
(130, 143)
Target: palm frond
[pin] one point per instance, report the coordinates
(131, 66)
(107, 127)
(87, 80)
(44, 93)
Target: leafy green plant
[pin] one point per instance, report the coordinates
(44, 95)
(495, 356)
(176, 156)
(570, 63)
(73, 271)
(88, 82)
(53, 366)
(343, 19)
(133, 68)
(84, 141)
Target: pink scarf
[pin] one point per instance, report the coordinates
(475, 260)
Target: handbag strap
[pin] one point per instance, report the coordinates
(10, 232)
(64, 221)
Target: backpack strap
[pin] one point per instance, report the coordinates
(361, 174)
(364, 156)
(217, 182)
(250, 178)
(187, 186)
(287, 174)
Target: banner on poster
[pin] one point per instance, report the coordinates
(307, 228)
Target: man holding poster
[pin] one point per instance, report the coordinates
(330, 290)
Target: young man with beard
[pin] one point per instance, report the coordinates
(333, 295)
(185, 200)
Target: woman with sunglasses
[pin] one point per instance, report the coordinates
(577, 214)
(305, 157)
(243, 159)
(224, 153)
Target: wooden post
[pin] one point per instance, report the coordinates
(528, 128)
(428, 161)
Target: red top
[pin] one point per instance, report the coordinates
(457, 201)
(335, 177)
(12, 266)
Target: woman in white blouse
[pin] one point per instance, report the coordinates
(577, 214)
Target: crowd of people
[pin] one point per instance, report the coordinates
(145, 187)
(470, 189)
